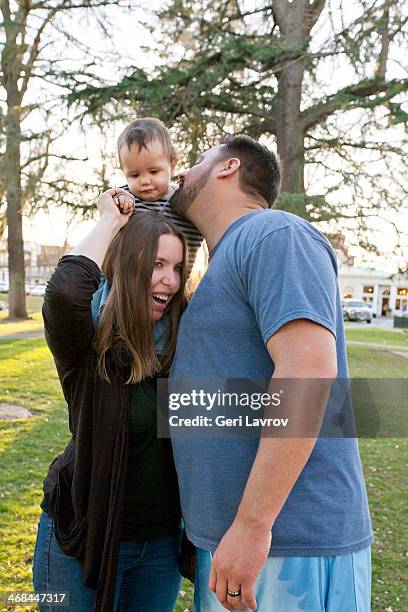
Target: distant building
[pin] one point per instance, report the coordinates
(40, 261)
(388, 293)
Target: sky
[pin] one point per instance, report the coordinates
(130, 40)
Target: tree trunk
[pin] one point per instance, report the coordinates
(17, 298)
(289, 132)
(295, 21)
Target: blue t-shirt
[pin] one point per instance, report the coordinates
(269, 268)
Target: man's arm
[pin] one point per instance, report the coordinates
(300, 349)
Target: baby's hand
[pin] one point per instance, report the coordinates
(125, 202)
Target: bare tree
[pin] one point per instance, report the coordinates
(31, 60)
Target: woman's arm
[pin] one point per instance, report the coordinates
(66, 310)
(96, 243)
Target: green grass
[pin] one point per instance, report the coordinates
(379, 403)
(34, 302)
(369, 363)
(384, 462)
(379, 336)
(34, 324)
(27, 377)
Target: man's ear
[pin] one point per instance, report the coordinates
(229, 167)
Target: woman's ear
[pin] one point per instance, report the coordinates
(229, 167)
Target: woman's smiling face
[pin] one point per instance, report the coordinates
(166, 277)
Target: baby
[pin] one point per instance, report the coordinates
(148, 158)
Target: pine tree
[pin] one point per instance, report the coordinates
(324, 80)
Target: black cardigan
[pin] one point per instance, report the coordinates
(84, 488)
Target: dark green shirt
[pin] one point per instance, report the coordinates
(152, 506)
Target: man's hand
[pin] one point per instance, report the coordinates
(118, 203)
(236, 564)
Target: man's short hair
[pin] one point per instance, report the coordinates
(142, 132)
(259, 172)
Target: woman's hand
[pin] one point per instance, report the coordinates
(96, 243)
(125, 202)
(117, 203)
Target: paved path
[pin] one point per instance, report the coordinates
(23, 335)
(386, 347)
(376, 323)
(400, 354)
(395, 349)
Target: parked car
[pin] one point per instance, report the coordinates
(371, 307)
(356, 310)
(4, 287)
(38, 290)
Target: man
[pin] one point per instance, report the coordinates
(280, 524)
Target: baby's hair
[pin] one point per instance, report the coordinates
(142, 132)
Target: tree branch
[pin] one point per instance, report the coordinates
(354, 96)
(336, 143)
(34, 51)
(65, 5)
(312, 14)
(41, 156)
(385, 42)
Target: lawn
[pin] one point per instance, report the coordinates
(398, 337)
(34, 324)
(369, 363)
(27, 377)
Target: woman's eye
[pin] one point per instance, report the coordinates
(158, 264)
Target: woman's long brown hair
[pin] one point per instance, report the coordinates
(126, 325)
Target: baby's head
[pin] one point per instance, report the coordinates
(147, 158)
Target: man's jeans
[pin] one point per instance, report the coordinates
(290, 584)
(147, 577)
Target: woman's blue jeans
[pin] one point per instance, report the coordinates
(147, 578)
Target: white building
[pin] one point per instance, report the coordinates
(40, 261)
(387, 293)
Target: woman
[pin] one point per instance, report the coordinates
(109, 532)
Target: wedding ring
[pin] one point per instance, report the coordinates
(234, 593)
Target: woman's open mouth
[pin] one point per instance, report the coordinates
(161, 298)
